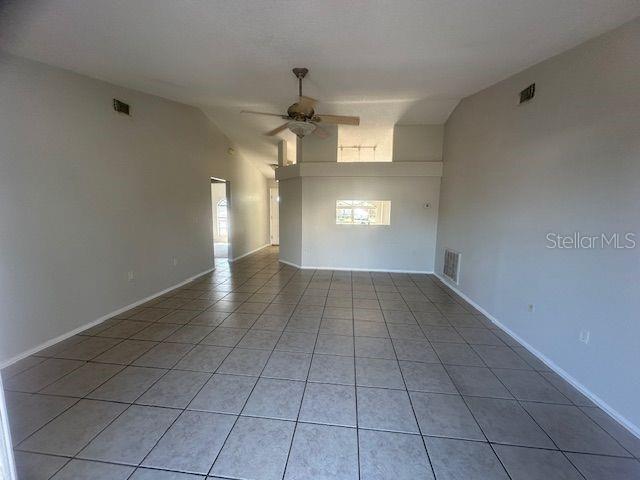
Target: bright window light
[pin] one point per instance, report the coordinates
(221, 214)
(365, 143)
(363, 212)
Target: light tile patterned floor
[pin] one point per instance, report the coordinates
(262, 371)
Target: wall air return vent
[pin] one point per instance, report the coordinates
(451, 268)
(121, 107)
(528, 93)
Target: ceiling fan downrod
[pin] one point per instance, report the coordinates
(300, 73)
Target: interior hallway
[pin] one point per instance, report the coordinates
(221, 251)
(262, 371)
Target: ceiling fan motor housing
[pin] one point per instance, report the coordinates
(295, 113)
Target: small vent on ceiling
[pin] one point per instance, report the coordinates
(451, 268)
(528, 93)
(121, 107)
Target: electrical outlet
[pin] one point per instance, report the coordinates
(531, 308)
(585, 336)
(130, 275)
(175, 261)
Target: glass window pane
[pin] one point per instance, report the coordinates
(363, 212)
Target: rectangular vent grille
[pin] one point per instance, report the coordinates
(451, 268)
(528, 93)
(121, 107)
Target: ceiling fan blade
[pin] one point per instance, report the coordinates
(321, 132)
(264, 113)
(338, 119)
(306, 104)
(277, 130)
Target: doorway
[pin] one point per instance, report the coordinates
(220, 210)
(274, 215)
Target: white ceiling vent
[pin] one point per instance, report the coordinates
(451, 268)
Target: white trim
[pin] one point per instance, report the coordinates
(622, 420)
(64, 336)
(250, 253)
(291, 264)
(341, 269)
(274, 213)
(380, 270)
(7, 463)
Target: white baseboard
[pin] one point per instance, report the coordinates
(235, 259)
(341, 269)
(377, 270)
(93, 323)
(621, 419)
(291, 264)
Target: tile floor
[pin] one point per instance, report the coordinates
(262, 371)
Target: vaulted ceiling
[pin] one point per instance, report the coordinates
(389, 62)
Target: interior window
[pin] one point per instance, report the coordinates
(363, 212)
(365, 143)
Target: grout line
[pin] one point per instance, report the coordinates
(535, 422)
(183, 410)
(355, 380)
(334, 286)
(295, 428)
(210, 472)
(415, 416)
(553, 367)
(97, 434)
(475, 419)
(100, 320)
(126, 403)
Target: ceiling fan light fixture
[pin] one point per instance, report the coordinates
(301, 116)
(301, 128)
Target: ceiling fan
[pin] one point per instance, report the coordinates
(301, 116)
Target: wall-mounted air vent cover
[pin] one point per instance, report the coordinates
(121, 107)
(528, 93)
(451, 268)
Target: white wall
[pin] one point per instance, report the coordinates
(87, 195)
(405, 143)
(417, 143)
(309, 236)
(291, 220)
(249, 209)
(568, 161)
(407, 244)
(315, 149)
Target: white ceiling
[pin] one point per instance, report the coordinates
(388, 61)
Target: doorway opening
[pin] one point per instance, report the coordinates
(274, 216)
(221, 218)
